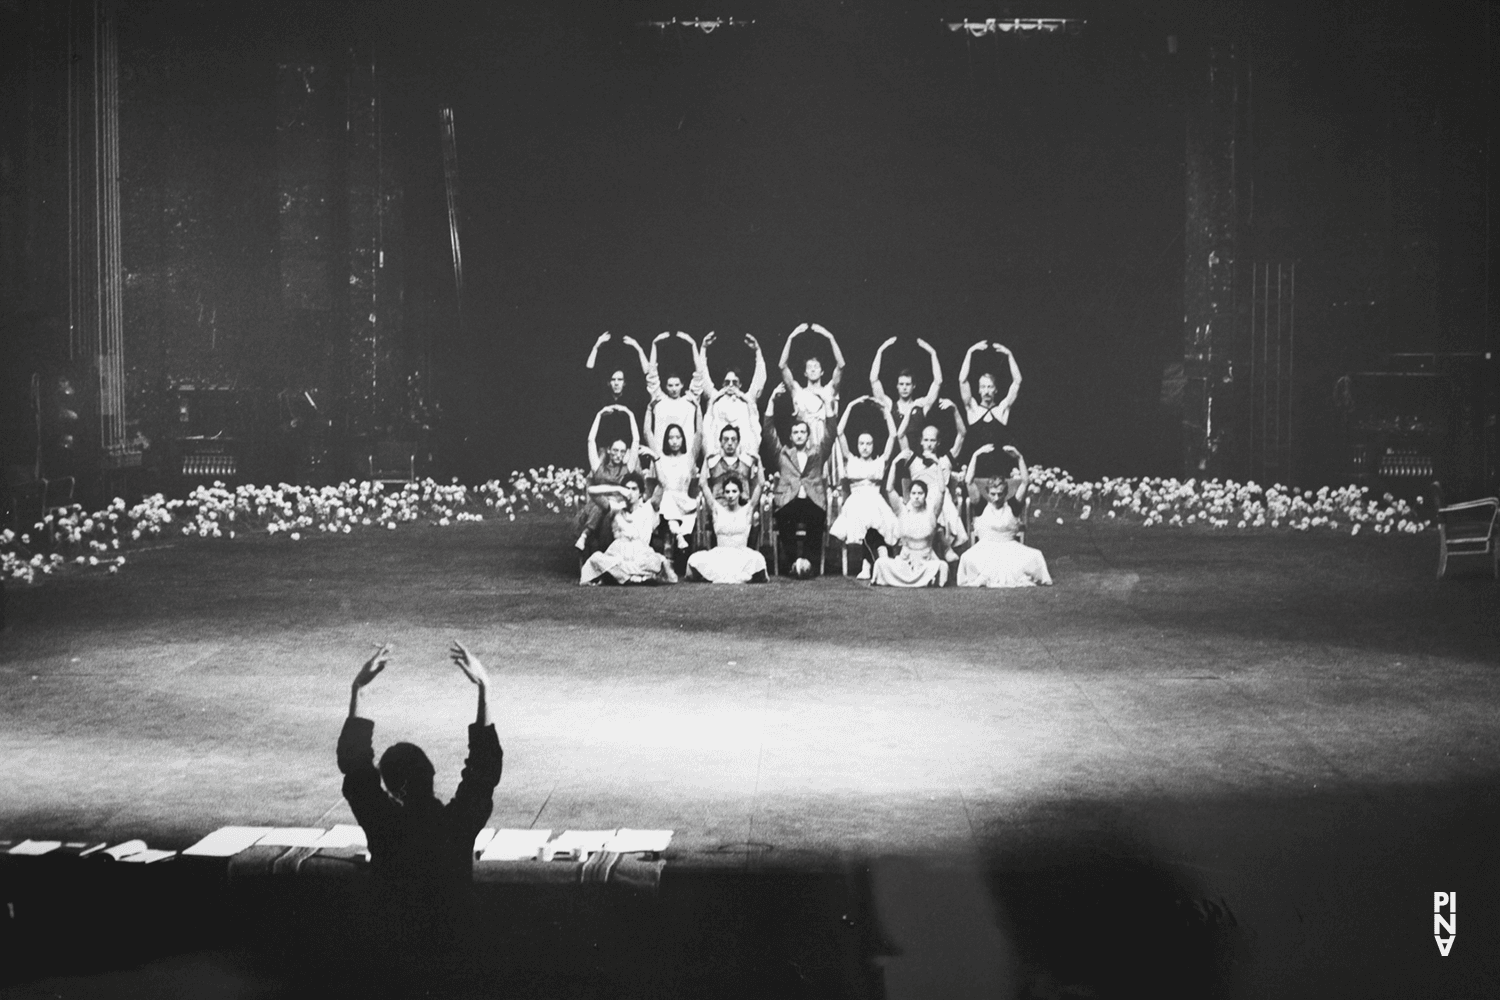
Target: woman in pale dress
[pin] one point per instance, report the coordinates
(815, 402)
(675, 466)
(630, 557)
(917, 565)
(997, 558)
(865, 516)
(935, 468)
(731, 560)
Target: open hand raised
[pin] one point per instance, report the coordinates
(373, 666)
(469, 664)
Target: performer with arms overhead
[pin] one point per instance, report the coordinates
(989, 417)
(732, 404)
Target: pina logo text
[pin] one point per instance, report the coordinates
(1445, 928)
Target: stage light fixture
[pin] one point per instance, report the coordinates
(1017, 25)
(706, 25)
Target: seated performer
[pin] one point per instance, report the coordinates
(675, 466)
(935, 468)
(865, 516)
(618, 461)
(997, 558)
(910, 410)
(731, 560)
(989, 418)
(732, 405)
(801, 513)
(732, 460)
(670, 404)
(421, 851)
(917, 565)
(630, 557)
(815, 403)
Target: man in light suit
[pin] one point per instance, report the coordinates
(801, 503)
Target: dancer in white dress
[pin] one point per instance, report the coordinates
(935, 468)
(671, 403)
(731, 560)
(814, 402)
(917, 565)
(997, 558)
(676, 465)
(630, 557)
(865, 516)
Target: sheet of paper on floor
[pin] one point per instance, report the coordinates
(35, 847)
(292, 836)
(343, 835)
(515, 845)
(628, 841)
(227, 841)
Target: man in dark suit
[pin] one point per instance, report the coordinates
(801, 502)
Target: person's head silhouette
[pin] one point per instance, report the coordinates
(407, 773)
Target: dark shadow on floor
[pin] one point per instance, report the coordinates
(1287, 896)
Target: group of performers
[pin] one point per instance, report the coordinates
(695, 449)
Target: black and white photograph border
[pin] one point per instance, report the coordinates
(985, 500)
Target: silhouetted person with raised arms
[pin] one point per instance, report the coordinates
(421, 850)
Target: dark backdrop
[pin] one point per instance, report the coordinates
(858, 165)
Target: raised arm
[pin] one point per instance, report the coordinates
(877, 391)
(705, 488)
(367, 673)
(769, 438)
(902, 431)
(757, 380)
(593, 443)
(704, 379)
(937, 376)
(608, 496)
(594, 354)
(838, 357)
(473, 801)
(632, 453)
(843, 445)
(890, 434)
(757, 485)
(639, 351)
(830, 434)
(786, 353)
(892, 494)
(477, 675)
(964, 392)
(959, 428)
(1015, 385)
(974, 461)
(372, 807)
(1021, 472)
(653, 370)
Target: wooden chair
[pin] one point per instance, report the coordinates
(1467, 529)
(32, 496)
(770, 537)
(392, 462)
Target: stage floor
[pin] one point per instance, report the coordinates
(1294, 736)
